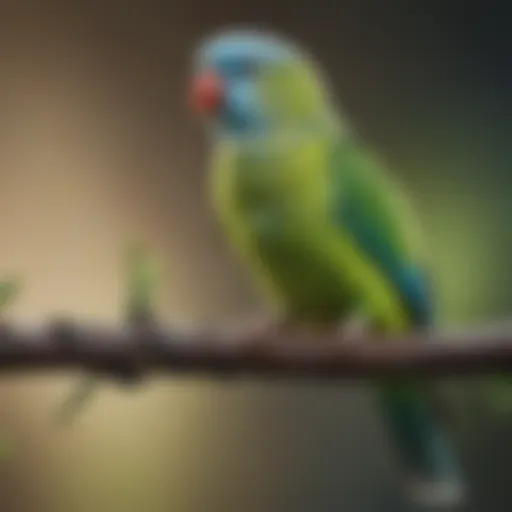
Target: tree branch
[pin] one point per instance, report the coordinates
(118, 352)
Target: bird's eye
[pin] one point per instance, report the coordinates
(248, 67)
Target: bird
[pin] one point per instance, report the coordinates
(324, 229)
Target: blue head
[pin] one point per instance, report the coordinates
(227, 86)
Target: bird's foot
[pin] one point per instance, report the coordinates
(435, 493)
(354, 328)
(269, 328)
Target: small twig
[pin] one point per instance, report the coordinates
(141, 280)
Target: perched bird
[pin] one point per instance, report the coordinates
(324, 229)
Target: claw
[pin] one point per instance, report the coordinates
(354, 328)
(253, 333)
(269, 327)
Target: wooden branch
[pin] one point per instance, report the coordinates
(125, 352)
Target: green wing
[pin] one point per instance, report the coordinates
(375, 213)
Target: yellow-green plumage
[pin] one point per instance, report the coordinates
(275, 205)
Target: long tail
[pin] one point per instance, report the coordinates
(432, 475)
(417, 424)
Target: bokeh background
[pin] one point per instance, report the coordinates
(97, 148)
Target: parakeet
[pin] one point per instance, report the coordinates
(315, 216)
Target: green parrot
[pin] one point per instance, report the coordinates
(324, 229)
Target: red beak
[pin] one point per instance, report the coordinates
(207, 93)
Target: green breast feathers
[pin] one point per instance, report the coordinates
(280, 210)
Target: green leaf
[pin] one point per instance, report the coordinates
(9, 292)
(142, 277)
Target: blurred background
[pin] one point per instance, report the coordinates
(97, 148)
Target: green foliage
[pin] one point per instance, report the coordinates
(142, 277)
(476, 398)
(494, 396)
(9, 292)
